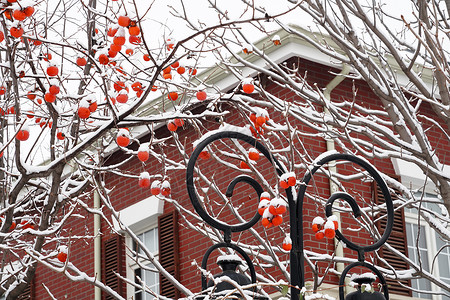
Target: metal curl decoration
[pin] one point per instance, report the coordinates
(295, 207)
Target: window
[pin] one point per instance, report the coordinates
(427, 250)
(149, 276)
(142, 219)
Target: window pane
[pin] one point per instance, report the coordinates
(150, 278)
(413, 253)
(443, 260)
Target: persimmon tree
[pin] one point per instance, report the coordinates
(76, 87)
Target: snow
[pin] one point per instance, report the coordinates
(263, 203)
(277, 202)
(363, 275)
(286, 176)
(123, 132)
(144, 175)
(165, 184)
(318, 220)
(315, 296)
(229, 257)
(156, 184)
(223, 128)
(264, 195)
(332, 218)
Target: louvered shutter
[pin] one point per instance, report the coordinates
(113, 254)
(28, 293)
(397, 240)
(169, 252)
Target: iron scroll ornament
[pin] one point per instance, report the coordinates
(295, 207)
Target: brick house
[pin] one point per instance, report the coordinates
(168, 235)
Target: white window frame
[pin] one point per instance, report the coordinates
(430, 240)
(132, 265)
(139, 217)
(411, 175)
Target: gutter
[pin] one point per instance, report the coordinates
(331, 146)
(97, 246)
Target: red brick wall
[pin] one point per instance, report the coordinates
(194, 245)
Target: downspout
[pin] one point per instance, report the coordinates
(331, 146)
(97, 246)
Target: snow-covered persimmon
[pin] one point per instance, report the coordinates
(103, 59)
(31, 95)
(193, 71)
(112, 53)
(144, 180)
(205, 155)
(81, 61)
(253, 154)
(119, 85)
(155, 188)
(122, 97)
(47, 56)
(243, 165)
(165, 188)
(83, 109)
(23, 134)
(276, 40)
(16, 32)
(181, 70)
(60, 136)
(277, 220)
(123, 21)
(134, 40)
(62, 253)
(146, 57)
(201, 95)
(143, 154)
(172, 127)
(115, 48)
(54, 89)
(29, 11)
(136, 86)
(329, 230)
(247, 85)
(123, 137)
(262, 206)
(2, 90)
(172, 96)
(92, 106)
(134, 30)
(287, 244)
(170, 44)
(52, 70)
(129, 51)
(179, 122)
(119, 40)
(112, 32)
(8, 14)
(19, 15)
(49, 97)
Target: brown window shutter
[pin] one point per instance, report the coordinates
(113, 253)
(169, 252)
(397, 240)
(28, 293)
